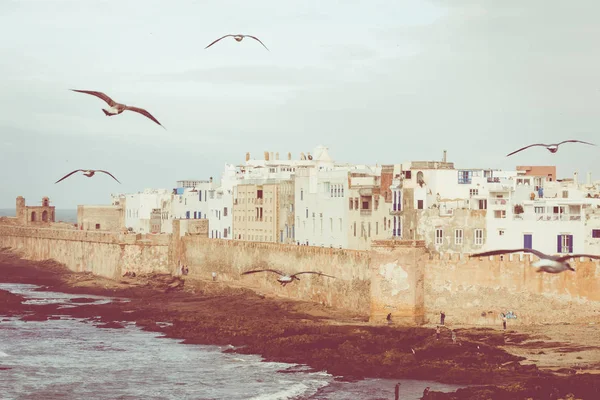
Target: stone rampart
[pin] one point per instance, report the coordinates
(106, 254)
(397, 277)
(349, 290)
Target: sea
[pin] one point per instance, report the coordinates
(72, 358)
(64, 215)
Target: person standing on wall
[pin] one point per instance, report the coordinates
(442, 317)
(504, 321)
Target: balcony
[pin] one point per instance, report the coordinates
(547, 217)
(365, 212)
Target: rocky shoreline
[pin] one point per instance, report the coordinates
(282, 330)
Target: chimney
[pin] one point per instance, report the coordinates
(210, 179)
(575, 177)
(277, 156)
(289, 155)
(271, 157)
(589, 178)
(266, 156)
(444, 158)
(247, 156)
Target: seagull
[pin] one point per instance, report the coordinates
(546, 263)
(285, 279)
(553, 148)
(87, 172)
(238, 38)
(117, 108)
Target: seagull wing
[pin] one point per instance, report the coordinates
(575, 141)
(68, 175)
(496, 252)
(255, 38)
(312, 272)
(565, 258)
(144, 113)
(263, 270)
(101, 95)
(526, 147)
(106, 172)
(217, 41)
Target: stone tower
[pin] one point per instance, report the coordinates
(21, 213)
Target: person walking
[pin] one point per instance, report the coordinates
(437, 332)
(397, 391)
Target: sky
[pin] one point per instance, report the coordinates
(375, 81)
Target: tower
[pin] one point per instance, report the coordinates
(20, 210)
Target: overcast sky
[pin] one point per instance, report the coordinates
(375, 81)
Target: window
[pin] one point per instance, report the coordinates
(377, 228)
(356, 203)
(225, 211)
(538, 210)
(564, 243)
(419, 204)
(407, 174)
(500, 232)
(376, 204)
(499, 213)
(301, 194)
(473, 192)
(97, 226)
(458, 236)
(483, 204)
(307, 213)
(259, 194)
(596, 233)
(565, 194)
(478, 237)
(355, 229)
(439, 236)
(365, 205)
(464, 177)
(351, 203)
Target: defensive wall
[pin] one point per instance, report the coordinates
(107, 254)
(398, 277)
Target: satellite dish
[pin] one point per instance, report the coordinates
(310, 157)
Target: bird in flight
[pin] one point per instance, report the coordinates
(546, 263)
(552, 148)
(237, 38)
(87, 172)
(284, 279)
(117, 108)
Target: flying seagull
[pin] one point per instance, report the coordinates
(117, 108)
(546, 263)
(553, 148)
(238, 38)
(284, 279)
(87, 172)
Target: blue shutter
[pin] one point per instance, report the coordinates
(558, 244)
(570, 243)
(528, 239)
(187, 214)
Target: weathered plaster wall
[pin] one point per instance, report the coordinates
(466, 220)
(397, 281)
(466, 288)
(102, 253)
(107, 218)
(350, 289)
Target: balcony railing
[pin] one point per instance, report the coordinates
(499, 202)
(547, 217)
(365, 212)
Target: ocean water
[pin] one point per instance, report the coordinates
(71, 358)
(65, 215)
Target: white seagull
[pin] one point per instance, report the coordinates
(87, 172)
(284, 279)
(238, 38)
(552, 148)
(546, 263)
(117, 108)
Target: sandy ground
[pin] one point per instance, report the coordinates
(527, 362)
